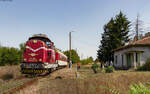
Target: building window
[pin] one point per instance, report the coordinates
(116, 59)
(122, 59)
(138, 58)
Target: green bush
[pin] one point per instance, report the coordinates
(9, 56)
(95, 67)
(146, 66)
(139, 89)
(134, 89)
(103, 70)
(87, 61)
(109, 69)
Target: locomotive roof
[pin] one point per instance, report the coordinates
(39, 36)
(61, 53)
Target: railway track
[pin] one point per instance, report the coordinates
(19, 83)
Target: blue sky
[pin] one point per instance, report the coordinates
(20, 19)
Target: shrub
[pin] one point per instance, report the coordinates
(139, 89)
(103, 70)
(9, 56)
(109, 69)
(146, 66)
(95, 67)
(87, 61)
(134, 89)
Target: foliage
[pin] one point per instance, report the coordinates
(87, 61)
(147, 34)
(110, 69)
(95, 67)
(74, 55)
(146, 66)
(134, 89)
(139, 89)
(115, 35)
(96, 60)
(22, 49)
(103, 70)
(9, 56)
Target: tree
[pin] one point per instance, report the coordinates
(22, 49)
(87, 60)
(9, 56)
(115, 35)
(74, 55)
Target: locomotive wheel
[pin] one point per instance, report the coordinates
(49, 71)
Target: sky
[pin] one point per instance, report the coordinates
(20, 19)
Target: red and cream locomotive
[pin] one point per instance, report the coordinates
(40, 56)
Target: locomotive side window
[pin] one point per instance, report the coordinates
(49, 54)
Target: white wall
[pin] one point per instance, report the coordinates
(143, 56)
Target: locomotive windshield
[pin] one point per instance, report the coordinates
(42, 38)
(48, 43)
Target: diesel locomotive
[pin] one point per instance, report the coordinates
(41, 56)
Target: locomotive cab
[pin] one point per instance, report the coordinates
(39, 55)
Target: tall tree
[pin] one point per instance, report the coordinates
(115, 35)
(74, 55)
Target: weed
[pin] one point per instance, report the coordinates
(110, 69)
(139, 89)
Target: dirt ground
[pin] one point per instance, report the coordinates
(52, 83)
(84, 81)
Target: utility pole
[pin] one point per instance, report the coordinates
(70, 57)
(70, 47)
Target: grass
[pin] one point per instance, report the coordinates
(7, 76)
(90, 83)
(5, 87)
(9, 72)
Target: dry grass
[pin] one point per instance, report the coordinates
(9, 72)
(90, 83)
(87, 83)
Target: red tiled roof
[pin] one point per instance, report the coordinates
(142, 42)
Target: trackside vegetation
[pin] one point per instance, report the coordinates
(10, 55)
(86, 61)
(74, 55)
(145, 67)
(134, 89)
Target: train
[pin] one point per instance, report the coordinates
(40, 56)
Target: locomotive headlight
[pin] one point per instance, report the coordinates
(40, 59)
(25, 59)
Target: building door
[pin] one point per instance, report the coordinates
(130, 59)
(138, 59)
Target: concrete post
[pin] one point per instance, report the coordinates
(134, 55)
